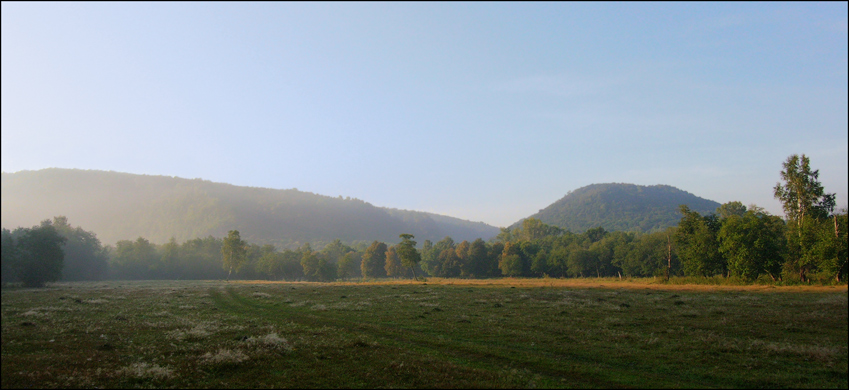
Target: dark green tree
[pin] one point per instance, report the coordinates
(374, 260)
(39, 255)
(698, 246)
(832, 246)
(753, 243)
(477, 259)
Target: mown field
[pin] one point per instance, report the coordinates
(513, 333)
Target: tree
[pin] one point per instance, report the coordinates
(533, 229)
(580, 261)
(805, 205)
(449, 263)
(477, 259)
(731, 208)
(753, 243)
(436, 259)
(832, 247)
(271, 265)
(802, 194)
(134, 259)
(234, 251)
(310, 262)
(334, 251)
(85, 258)
(170, 259)
(511, 263)
(346, 266)
(9, 253)
(406, 250)
(595, 234)
(393, 263)
(39, 256)
(428, 256)
(698, 246)
(374, 260)
(462, 252)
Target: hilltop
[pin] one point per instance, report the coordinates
(122, 206)
(623, 207)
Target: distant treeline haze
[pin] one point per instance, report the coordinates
(735, 241)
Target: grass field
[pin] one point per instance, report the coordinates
(513, 333)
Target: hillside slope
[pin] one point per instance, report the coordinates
(119, 206)
(623, 207)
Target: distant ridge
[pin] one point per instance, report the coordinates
(123, 206)
(621, 207)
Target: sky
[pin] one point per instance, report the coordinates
(482, 111)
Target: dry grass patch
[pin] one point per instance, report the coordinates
(146, 371)
(224, 357)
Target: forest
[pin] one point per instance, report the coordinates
(736, 242)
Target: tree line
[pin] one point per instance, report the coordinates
(735, 241)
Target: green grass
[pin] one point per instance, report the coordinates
(445, 333)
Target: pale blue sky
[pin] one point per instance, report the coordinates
(482, 111)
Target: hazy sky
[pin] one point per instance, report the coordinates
(482, 111)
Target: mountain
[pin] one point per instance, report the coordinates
(623, 207)
(122, 206)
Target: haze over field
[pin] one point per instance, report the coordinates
(482, 111)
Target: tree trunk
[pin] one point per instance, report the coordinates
(668, 257)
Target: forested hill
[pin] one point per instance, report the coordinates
(122, 206)
(622, 207)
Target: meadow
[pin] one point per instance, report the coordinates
(499, 333)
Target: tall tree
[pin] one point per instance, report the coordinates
(410, 257)
(802, 194)
(805, 205)
(234, 252)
